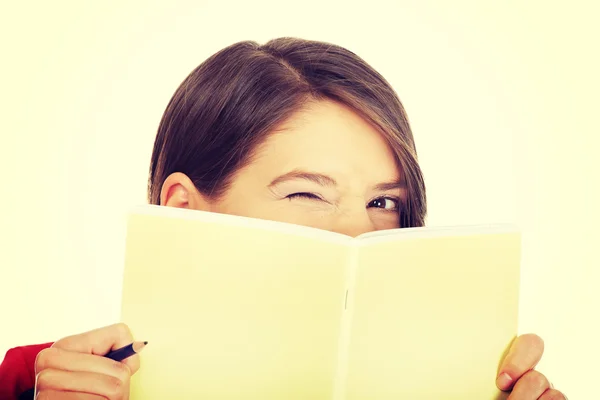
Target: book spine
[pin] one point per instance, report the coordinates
(341, 372)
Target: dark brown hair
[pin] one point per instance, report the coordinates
(225, 108)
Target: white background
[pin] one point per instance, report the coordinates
(502, 96)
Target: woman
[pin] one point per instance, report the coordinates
(294, 131)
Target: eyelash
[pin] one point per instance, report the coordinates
(311, 196)
(304, 195)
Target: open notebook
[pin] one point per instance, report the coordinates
(239, 308)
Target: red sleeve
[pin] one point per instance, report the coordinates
(17, 372)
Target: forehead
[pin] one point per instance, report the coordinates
(330, 138)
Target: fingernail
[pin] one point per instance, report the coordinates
(551, 385)
(503, 381)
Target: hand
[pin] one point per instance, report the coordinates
(74, 367)
(517, 372)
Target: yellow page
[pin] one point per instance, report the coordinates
(232, 312)
(432, 317)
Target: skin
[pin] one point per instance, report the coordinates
(74, 369)
(326, 168)
(298, 159)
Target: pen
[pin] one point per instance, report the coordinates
(116, 355)
(126, 351)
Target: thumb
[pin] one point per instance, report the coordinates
(524, 354)
(100, 342)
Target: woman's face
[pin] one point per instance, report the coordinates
(326, 168)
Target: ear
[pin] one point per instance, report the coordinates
(179, 191)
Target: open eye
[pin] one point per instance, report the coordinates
(385, 203)
(303, 195)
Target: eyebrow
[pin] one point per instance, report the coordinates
(325, 180)
(401, 184)
(319, 179)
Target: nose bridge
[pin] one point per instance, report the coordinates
(354, 221)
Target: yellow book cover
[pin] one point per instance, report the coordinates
(240, 308)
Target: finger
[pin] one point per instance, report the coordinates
(553, 394)
(56, 395)
(98, 341)
(524, 354)
(530, 386)
(56, 358)
(101, 341)
(105, 386)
